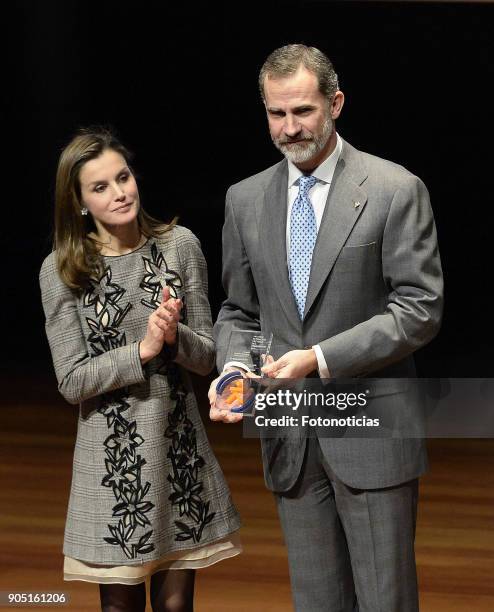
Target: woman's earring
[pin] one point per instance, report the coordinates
(84, 211)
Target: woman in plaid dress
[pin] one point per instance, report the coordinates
(127, 316)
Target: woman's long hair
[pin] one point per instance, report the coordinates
(77, 255)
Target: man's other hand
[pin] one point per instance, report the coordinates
(294, 364)
(224, 415)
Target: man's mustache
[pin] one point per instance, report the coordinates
(294, 140)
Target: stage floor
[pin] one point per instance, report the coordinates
(455, 532)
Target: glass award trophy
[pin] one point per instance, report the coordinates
(250, 349)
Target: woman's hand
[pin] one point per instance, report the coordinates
(162, 327)
(169, 313)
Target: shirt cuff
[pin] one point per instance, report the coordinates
(322, 366)
(236, 364)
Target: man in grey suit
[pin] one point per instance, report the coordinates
(334, 251)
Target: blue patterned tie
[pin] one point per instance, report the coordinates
(303, 234)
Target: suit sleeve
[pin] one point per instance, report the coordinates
(81, 376)
(195, 348)
(412, 272)
(241, 308)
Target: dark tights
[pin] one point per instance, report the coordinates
(171, 591)
(123, 597)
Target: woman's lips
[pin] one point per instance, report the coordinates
(123, 208)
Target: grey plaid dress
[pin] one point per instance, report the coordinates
(145, 482)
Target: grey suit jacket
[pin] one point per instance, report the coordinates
(374, 296)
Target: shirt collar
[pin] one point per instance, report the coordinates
(324, 172)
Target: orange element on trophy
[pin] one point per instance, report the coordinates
(236, 393)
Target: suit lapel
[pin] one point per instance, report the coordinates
(271, 212)
(346, 200)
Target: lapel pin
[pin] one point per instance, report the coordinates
(356, 204)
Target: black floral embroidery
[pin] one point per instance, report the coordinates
(133, 508)
(157, 273)
(123, 463)
(113, 404)
(103, 293)
(118, 476)
(101, 333)
(124, 440)
(121, 536)
(186, 463)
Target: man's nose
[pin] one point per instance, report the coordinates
(292, 126)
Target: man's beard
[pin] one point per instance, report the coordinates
(301, 152)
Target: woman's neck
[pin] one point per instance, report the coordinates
(117, 241)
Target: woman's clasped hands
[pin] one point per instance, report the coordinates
(162, 326)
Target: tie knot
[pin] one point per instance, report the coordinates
(306, 182)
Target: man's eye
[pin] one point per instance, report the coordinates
(277, 113)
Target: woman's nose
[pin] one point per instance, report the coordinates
(118, 191)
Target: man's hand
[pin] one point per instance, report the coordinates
(294, 364)
(215, 414)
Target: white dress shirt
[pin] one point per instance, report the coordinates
(318, 196)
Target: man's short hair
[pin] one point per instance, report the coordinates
(285, 61)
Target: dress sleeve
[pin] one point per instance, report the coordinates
(195, 348)
(81, 376)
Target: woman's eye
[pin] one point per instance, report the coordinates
(100, 188)
(124, 178)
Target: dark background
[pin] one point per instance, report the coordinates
(180, 87)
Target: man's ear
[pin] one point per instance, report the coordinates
(337, 104)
